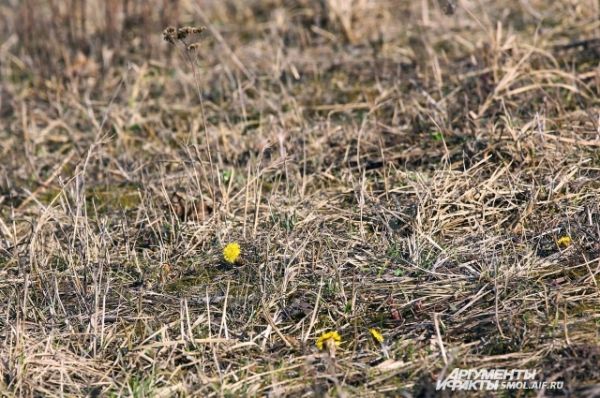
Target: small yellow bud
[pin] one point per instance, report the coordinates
(564, 241)
(377, 336)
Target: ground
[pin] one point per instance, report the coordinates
(424, 170)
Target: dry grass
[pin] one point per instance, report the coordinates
(399, 165)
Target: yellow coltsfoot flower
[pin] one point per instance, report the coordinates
(232, 252)
(564, 241)
(331, 339)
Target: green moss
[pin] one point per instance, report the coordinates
(46, 197)
(186, 284)
(211, 277)
(286, 221)
(109, 197)
(114, 197)
(58, 263)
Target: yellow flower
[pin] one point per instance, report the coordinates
(333, 337)
(564, 241)
(231, 252)
(377, 335)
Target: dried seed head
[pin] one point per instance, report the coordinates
(193, 46)
(182, 33)
(186, 31)
(449, 6)
(170, 34)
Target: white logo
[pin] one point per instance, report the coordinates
(495, 379)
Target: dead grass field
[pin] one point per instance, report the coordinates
(385, 164)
